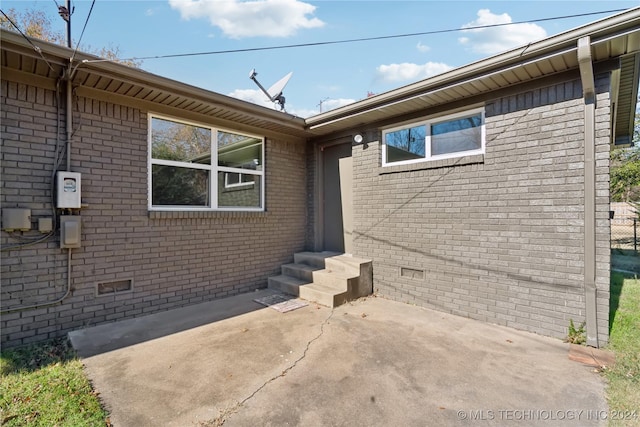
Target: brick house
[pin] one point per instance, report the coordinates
(482, 191)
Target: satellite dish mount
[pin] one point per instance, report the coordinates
(274, 93)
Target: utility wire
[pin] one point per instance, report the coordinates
(36, 48)
(254, 49)
(83, 28)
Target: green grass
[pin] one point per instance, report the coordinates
(45, 385)
(623, 392)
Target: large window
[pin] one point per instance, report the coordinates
(197, 167)
(454, 135)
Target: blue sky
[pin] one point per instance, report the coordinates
(333, 75)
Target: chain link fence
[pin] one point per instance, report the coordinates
(624, 227)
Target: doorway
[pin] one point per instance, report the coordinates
(337, 200)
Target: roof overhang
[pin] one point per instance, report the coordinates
(614, 37)
(626, 90)
(21, 62)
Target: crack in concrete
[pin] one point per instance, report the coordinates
(228, 412)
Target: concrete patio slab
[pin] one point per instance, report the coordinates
(372, 362)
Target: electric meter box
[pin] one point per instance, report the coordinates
(68, 190)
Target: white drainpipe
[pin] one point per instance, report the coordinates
(589, 95)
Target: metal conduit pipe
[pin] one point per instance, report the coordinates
(46, 304)
(589, 95)
(69, 134)
(69, 107)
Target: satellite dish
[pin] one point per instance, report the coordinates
(275, 92)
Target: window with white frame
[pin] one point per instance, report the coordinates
(234, 179)
(454, 135)
(192, 165)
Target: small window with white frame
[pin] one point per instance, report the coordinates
(454, 135)
(191, 166)
(235, 179)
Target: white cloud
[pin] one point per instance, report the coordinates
(304, 112)
(238, 19)
(256, 96)
(329, 104)
(422, 47)
(408, 71)
(498, 39)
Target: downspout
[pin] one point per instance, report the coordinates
(589, 96)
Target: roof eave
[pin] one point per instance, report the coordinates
(558, 44)
(61, 56)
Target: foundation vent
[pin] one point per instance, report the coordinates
(115, 287)
(411, 273)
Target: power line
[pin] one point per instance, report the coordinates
(83, 28)
(325, 43)
(36, 48)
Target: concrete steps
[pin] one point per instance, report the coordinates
(328, 278)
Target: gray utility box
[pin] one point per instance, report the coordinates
(16, 219)
(70, 231)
